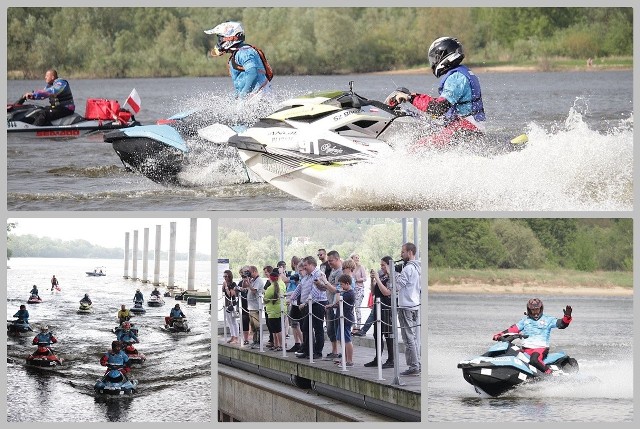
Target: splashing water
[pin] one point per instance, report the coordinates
(569, 168)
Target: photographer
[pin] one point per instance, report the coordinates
(244, 306)
(408, 290)
(255, 288)
(230, 303)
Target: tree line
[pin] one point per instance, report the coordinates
(31, 246)
(578, 244)
(169, 42)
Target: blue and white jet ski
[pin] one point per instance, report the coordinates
(115, 383)
(505, 366)
(19, 328)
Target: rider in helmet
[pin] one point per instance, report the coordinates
(86, 299)
(537, 327)
(116, 357)
(126, 335)
(246, 63)
(124, 314)
(459, 102)
(34, 291)
(138, 297)
(44, 338)
(155, 292)
(175, 313)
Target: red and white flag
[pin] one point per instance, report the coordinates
(133, 100)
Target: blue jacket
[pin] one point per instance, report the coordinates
(58, 93)
(538, 331)
(253, 77)
(44, 338)
(176, 312)
(138, 297)
(110, 358)
(126, 336)
(22, 314)
(461, 88)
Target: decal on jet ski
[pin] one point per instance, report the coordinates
(58, 133)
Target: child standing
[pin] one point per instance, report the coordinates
(348, 301)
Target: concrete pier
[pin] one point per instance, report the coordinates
(172, 254)
(156, 257)
(134, 264)
(126, 255)
(358, 387)
(145, 255)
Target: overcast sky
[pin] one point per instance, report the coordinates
(110, 232)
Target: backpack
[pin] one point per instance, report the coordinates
(267, 67)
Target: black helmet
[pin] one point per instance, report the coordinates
(444, 54)
(86, 295)
(115, 344)
(535, 304)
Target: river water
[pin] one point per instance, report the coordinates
(600, 337)
(579, 157)
(174, 382)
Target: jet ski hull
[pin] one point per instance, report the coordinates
(156, 151)
(113, 384)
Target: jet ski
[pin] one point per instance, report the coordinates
(300, 147)
(43, 357)
(115, 383)
(135, 357)
(18, 328)
(137, 308)
(34, 299)
(505, 366)
(85, 308)
(100, 116)
(179, 325)
(160, 152)
(155, 301)
(133, 328)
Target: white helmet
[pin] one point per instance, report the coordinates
(230, 35)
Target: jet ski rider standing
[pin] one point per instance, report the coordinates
(249, 70)
(459, 102)
(537, 327)
(58, 91)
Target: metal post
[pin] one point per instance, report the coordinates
(193, 232)
(283, 334)
(394, 330)
(260, 311)
(145, 255)
(241, 336)
(416, 236)
(309, 304)
(379, 337)
(281, 239)
(343, 360)
(156, 257)
(404, 229)
(126, 255)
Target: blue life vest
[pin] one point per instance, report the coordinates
(477, 108)
(117, 359)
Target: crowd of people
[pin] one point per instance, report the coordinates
(314, 286)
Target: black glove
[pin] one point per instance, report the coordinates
(567, 311)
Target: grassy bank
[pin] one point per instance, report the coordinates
(523, 281)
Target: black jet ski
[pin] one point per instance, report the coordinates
(505, 366)
(107, 116)
(18, 328)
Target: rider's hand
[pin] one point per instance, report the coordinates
(398, 96)
(567, 311)
(497, 336)
(28, 96)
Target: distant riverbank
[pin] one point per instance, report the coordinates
(538, 282)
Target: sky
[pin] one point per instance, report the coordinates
(111, 232)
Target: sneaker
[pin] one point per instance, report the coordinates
(317, 355)
(372, 364)
(411, 372)
(300, 352)
(387, 364)
(333, 356)
(245, 343)
(277, 349)
(302, 355)
(349, 364)
(294, 348)
(358, 334)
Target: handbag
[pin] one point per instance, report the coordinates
(370, 303)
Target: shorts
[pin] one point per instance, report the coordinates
(275, 325)
(347, 332)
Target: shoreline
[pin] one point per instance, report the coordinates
(505, 69)
(528, 289)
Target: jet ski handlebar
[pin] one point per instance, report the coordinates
(511, 336)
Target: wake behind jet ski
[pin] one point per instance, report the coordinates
(505, 366)
(300, 147)
(100, 115)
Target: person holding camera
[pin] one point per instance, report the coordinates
(380, 288)
(255, 288)
(408, 285)
(230, 303)
(312, 286)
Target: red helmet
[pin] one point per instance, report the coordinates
(126, 325)
(535, 308)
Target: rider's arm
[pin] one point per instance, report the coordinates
(56, 88)
(104, 360)
(435, 106)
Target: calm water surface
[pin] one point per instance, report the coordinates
(600, 338)
(174, 382)
(580, 126)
